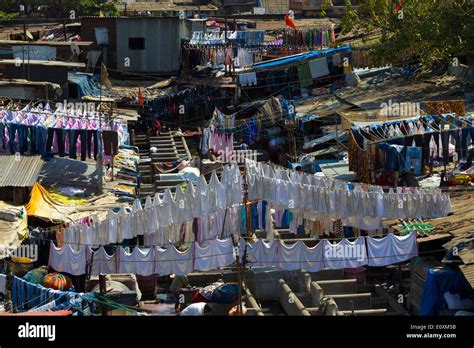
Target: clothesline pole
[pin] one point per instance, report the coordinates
(239, 272)
(103, 291)
(99, 157)
(112, 160)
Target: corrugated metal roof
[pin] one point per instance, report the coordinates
(468, 271)
(19, 171)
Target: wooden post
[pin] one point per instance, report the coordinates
(111, 124)
(103, 291)
(240, 284)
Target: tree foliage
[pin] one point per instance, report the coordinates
(432, 30)
(59, 8)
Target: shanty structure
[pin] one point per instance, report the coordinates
(18, 175)
(137, 44)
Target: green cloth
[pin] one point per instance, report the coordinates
(36, 275)
(304, 75)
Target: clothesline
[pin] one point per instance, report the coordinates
(331, 181)
(313, 197)
(170, 211)
(116, 120)
(220, 253)
(398, 136)
(309, 199)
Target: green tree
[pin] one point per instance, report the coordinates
(61, 8)
(435, 31)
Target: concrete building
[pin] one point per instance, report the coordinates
(53, 72)
(138, 44)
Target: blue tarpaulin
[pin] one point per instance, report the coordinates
(85, 84)
(276, 63)
(439, 281)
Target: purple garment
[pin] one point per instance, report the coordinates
(70, 123)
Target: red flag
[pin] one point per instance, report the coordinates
(289, 22)
(140, 97)
(398, 6)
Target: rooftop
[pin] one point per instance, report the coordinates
(44, 63)
(19, 171)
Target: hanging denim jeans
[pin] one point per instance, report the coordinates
(41, 135)
(467, 136)
(392, 162)
(74, 134)
(412, 159)
(60, 133)
(13, 128)
(31, 134)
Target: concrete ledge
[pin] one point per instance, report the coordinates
(289, 301)
(316, 292)
(252, 305)
(338, 287)
(363, 312)
(359, 301)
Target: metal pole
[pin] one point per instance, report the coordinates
(24, 38)
(99, 155)
(225, 34)
(225, 22)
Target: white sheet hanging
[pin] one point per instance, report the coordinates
(173, 261)
(102, 263)
(312, 259)
(217, 253)
(139, 261)
(262, 253)
(138, 219)
(290, 255)
(344, 254)
(67, 260)
(391, 249)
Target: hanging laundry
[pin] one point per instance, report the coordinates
(102, 263)
(344, 254)
(139, 261)
(304, 75)
(223, 122)
(67, 260)
(261, 253)
(315, 195)
(217, 253)
(248, 79)
(26, 295)
(391, 249)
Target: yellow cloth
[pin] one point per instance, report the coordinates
(58, 196)
(45, 206)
